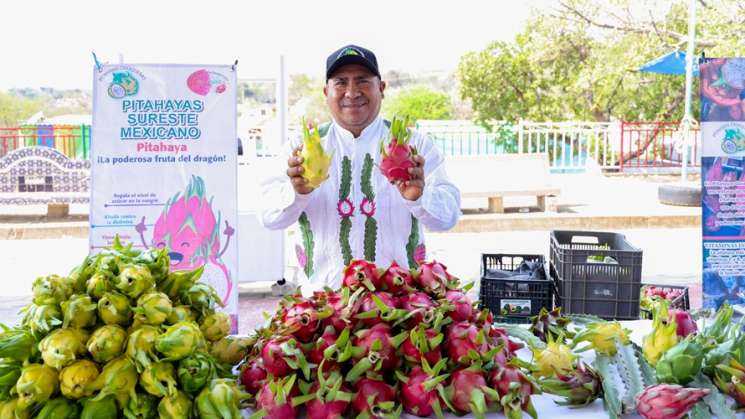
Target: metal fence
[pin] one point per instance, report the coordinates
(572, 146)
(73, 141)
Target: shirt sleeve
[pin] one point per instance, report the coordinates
(279, 205)
(438, 209)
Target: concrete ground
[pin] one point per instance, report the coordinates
(32, 245)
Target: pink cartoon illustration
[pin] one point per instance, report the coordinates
(188, 228)
(201, 82)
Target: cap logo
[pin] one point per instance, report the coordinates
(350, 51)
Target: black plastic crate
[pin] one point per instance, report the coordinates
(596, 273)
(513, 296)
(681, 302)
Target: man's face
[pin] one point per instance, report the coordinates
(354, 95)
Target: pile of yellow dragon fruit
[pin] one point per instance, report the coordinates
(121, 336)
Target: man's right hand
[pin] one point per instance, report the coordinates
(295, 173)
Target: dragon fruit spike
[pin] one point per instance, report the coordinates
(666, 401)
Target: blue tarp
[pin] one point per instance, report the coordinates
(672, 63)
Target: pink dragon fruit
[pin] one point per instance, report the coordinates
(331, 349)
(339, 306)
(668, 401)
(462, 305)
(375, 348)
(397, 155)
(361, 273)
(327, 398)
(433, 278)
(371, 314)
(396, 279)
(514, 389)
(302, 319)
(422, 343)
(466, 343)
(467, 391)
(686, 324)
(253, 375)
(419, 389)
(420, 307)
(275, 398)
(374, 397)
(276, 353)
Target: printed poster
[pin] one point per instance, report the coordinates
(164, 166)
(723, 180)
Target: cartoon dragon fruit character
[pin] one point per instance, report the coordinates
(188, 228)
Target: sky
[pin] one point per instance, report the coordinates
(48, 43)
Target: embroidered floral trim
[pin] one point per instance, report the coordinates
(367, 207)
(345, 208)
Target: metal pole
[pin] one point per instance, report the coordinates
(282, 101)
(687, 119)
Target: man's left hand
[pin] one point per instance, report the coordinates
(413, 188)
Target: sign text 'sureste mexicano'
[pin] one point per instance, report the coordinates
(164, 119)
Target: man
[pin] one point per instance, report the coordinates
(356, 213)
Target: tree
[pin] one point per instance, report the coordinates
(580, 60)
(14, 109)
(418, 102)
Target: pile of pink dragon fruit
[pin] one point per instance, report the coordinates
(392, 341)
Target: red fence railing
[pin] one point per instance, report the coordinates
(74, 141)
(656, 144)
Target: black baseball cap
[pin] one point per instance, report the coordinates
(351, 54)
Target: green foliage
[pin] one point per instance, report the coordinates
(418, 102)
(580, 61)
(14, 110)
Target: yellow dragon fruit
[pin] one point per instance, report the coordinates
(62, 346)
(141, 346)
(556, 358)
(153, 308)
(316, 161)
(76, 378)
(79, 311)
(176, 407)
(160, 379)
(603, 336)
(98, 284)
(113, 308)
(36, 384)
(180, 341)
(51, 289)
(134, 280)
(231, 349)
(215, 326)
(118, 378)
(107, 342)
(181, 314)
(663, 336)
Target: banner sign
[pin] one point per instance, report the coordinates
(722, 180)
(164, 166)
